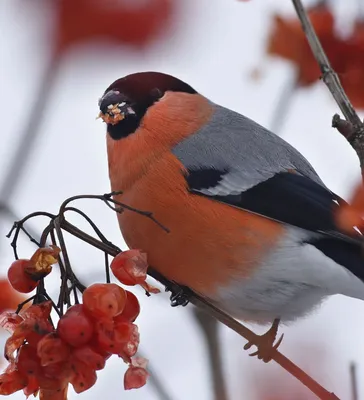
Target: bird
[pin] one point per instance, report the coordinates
(250, 224)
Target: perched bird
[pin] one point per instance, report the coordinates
(251, 224)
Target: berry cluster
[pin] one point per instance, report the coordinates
(46, 358)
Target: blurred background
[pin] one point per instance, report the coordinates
(57, 58)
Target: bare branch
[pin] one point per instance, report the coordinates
(332, 81)
(354, 382)
(329, 76)
(343, 126)
(210, 329)
(283, 103)
(59, 223)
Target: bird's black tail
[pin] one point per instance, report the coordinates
(349, 254)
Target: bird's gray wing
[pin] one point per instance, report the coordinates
(234, 160)
(251, 153)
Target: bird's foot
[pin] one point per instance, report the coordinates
(179, 295)
(265, 343)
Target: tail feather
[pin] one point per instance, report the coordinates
(348, 254)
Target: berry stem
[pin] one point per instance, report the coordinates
(75, 295)
(107, 268)
(89, 220)
(21, 305)
(70, 274)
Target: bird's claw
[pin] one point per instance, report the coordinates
(266, 345)
(265, 349)
(179, 297)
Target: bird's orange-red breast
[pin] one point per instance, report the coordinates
(152, 179)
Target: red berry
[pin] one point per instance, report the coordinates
(116, 337)
(76, 308)
(38, 330)
(51, 349)
(61, 371)
(32, 330)
(10, 320)
(130, 267)
(83, 377)
(11, 382)
(28, 363)
(90, 357)
(131, 310)
(135, 377)
(32, 386)
(41, 311)
(75, 327)
(104, 300)
(106, 337)
(19, 279)
(123, 331)
(130, 346)
(94, 344)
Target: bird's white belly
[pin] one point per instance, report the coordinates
(293, 280)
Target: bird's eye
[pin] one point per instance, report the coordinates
(156, 93)
(110, 97)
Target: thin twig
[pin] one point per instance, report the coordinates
(18, 226)
(67, 264)
(30, 237)
(63, 287)
(343, 126)
(332, 81)
(107, 268)
(277, 356)
(329, 76)
(46, 295)
(107, 199)
(75, 295)
(89, 220)
(14, 242)
(209, 326)
(283, 103)
(147, 214)
(354, 382)
(54, 242)
(46, 233)
(21, 305)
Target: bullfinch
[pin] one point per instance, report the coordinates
(251, 224)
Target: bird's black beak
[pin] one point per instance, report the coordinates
(114, 107)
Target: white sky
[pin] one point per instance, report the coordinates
(214, 48)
